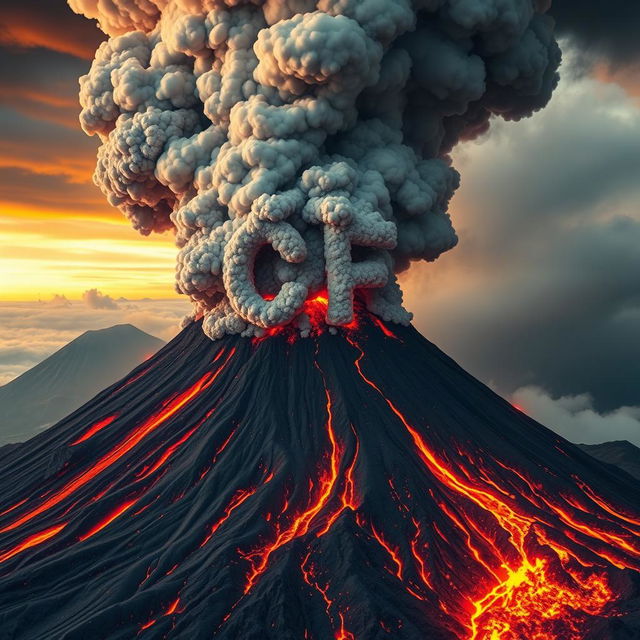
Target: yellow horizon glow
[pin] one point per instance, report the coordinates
(47, 252)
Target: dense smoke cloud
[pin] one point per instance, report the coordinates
(302, 145)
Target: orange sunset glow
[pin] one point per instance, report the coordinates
(58, 234)
(48, 249)
(39, 265)
(55, 244)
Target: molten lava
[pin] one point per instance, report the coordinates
(350, 486)
(301, 522)
(312, 320)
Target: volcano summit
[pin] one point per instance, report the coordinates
(351, 486)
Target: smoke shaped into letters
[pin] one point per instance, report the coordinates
(298, 146)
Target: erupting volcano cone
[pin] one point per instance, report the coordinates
(355, 486)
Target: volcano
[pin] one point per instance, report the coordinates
(355, 485)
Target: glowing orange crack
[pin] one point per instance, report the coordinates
(309, 577)
(422, 568)
(32, 541)
(301, 523)
(383, 327)
(348, 500)
(116, 513)
(134, 438)
(168, 453)
(91, 431)
(171, 610)
(238, 499)
(13, 507)
(529, 590)
(605, 506)
(393, 553)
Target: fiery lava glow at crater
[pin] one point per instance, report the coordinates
(312, 320)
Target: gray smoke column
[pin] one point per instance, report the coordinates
(298, 146)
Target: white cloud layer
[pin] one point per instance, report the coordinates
(95, 299)
(574, 417)
(31, 331)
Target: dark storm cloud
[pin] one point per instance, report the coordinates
(54, 192)
(44, 49)
(605, 27)
(45, 166)
(565, 167)
(568, 320)
(544, 288)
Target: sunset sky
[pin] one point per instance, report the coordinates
(543, 292)
(58, 233)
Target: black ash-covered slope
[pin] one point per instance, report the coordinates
(351, 486)
(620, 453)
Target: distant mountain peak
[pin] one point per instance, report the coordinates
(620, 453)
(69, 377)
(124, 328)
(613, 444)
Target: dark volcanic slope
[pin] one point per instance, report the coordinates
(620, 453)
(69, 377)
(351, 486)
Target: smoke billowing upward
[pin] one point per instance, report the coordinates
(301, 146)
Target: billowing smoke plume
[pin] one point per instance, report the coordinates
(298, 146)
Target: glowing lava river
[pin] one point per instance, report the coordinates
(354, 486)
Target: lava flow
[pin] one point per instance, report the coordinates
(302, 521)
(531, 599)
(348, 486)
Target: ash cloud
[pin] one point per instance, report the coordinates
(302, 145)
(41, 24)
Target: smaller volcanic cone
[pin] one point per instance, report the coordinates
(355, 485)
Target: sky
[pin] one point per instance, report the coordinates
(540, 300)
